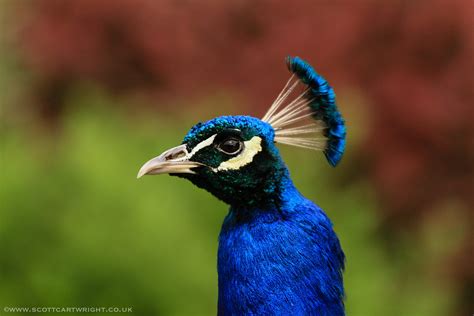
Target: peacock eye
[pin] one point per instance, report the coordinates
(230, 146)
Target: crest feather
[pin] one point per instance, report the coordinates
(311, 120)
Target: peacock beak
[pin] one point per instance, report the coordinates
(174, 160)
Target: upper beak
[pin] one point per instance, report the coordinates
(174, 160)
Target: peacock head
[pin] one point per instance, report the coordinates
(235, 157)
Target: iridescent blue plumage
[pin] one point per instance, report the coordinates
(278, 253)
(324, 106)
(280, 259)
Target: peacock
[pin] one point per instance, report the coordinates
(278, 253)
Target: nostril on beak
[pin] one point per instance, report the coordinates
(176, 153)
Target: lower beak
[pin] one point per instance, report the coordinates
(174, 160)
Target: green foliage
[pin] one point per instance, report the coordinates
(77, 228)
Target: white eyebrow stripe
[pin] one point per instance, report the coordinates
(252, 147)
(205, 143)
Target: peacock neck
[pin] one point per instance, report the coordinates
(279, 257)
(272, 199)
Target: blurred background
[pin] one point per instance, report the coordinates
(92, 89)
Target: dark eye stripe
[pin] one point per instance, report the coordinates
(228, 133)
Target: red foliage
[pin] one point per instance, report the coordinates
(413, 60)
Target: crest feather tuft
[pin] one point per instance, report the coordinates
(312, 111)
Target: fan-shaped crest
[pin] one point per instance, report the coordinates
(305, 114)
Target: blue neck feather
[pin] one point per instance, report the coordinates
(280, 259)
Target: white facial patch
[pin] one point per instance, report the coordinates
(252, 147)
